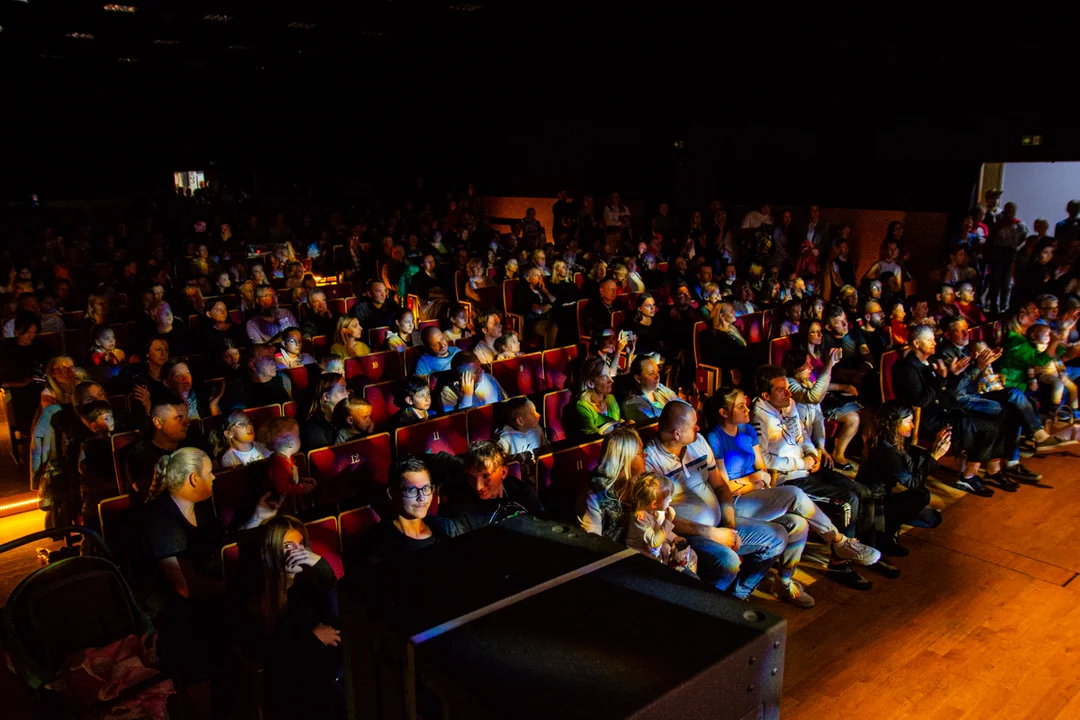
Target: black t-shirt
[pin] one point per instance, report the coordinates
(389, 542)
(318, 433)
(852, 359)
(469, 512)
(167, 533)
(18, 362)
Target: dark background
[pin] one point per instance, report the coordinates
(897, 109)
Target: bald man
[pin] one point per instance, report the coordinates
(730, 557)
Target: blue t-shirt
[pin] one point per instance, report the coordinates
(736, 452)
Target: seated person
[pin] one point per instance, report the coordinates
(349, 338)
(652, 527)
(456, 323)
(1021, 359)
(284, 476)
(647, 396)
(22, 359)
(739, 460)
(521, 438)
(1054, 381)
(176, 378)
(932, 387)
(319, 429)
(438, 352)
(731, 556)
(792, 312)
(789, 452)
(243, 448)
(489, 323)
(164, 325)
(898, 327)
(290, 619)
(170, 429)
(318, 320)
(856, 360)
(403, 333)
(487, 496)
(965, 303)
(824, 400)
(645, 326)
(534, 303)
(263, 384)
(602, 508)
(470, 386)
(413, 398)
(596, 411)
(98, 473)
(352, 418)
(374, 310)
(598, 311)
(726, 348)
(508, 346)
(104, 353)
(290, 353)
(875, 334)
(269, 320)
(409, 526)
(945, 305)
(893, 460)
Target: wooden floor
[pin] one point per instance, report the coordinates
(984, 622)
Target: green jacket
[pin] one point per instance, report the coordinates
(1018, 355)
(592, 422)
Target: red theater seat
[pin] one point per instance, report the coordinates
(376, 367)
(326, 542)
(354, 528)
(230, 562)
(554, 404)
(121, 441)
(383, 405)
(448, 433)
(55, 342)
(480, 422)
(289, 409)
(118, 529)
(354, 469)
(412, 356)
(777, 348)
(377, 336)
(752, 327)
(557, 364)
(234, 490)
(888, 359)
(617, 319)
(564, 475)
(708, 377)
(522, 375)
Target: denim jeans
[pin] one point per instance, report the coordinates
(724, 569)
(1016, 410)
(830, 485)
(789, 506)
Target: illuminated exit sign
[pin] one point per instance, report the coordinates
(1030, 140)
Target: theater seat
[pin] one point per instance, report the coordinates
(377, 336)
(752, 327)
(412, 356)
(118, 529)
(120, 443)
(554, 406)
(230, 562)
(522, 375)
(301, 379)
(777, 348)
(448, 433)
(236, 490)
(557, 363)
(354, 528)
(289, 409)
(376, 367)
(356, 469)
(55, 342)
(326, 542)
(617, 319)
(709, 377)
(480, 422)
(888, 359)
(383, 405)
(563, 476)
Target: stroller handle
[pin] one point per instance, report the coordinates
(56, 534)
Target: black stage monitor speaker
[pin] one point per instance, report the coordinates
(534, 619)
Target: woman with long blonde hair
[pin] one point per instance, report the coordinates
(603, 508)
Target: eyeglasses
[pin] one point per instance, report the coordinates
(413, 493)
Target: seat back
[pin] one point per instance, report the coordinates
(383, 404)
(55, 341)
(376, 367)
(356, 469)
(888, 359)
(290, 409)
(978, 334)
(752, 327)
(354, 528)
(119, 529)
(582, 325)
(617, 319)
(480, 422)
(236, 491)
(448, 433)
(300, 377)
(377, 336)
(326, 542)
(777, 348)
(557, 363)
(77, 344)
(554, 406)
(508, 288)
(768, 319)
(563, 476)
(523, 375)
(120, 442)
(412, 356)
(230, 562)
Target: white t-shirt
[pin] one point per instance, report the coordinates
(513, 442)
(693, 499)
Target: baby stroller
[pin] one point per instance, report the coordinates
(65, 607)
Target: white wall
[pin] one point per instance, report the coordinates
(1041, 189)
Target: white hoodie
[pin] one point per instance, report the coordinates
(784, 441)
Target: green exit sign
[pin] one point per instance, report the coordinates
(1030, 140)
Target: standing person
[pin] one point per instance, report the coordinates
(1006, 238)
(731, 556)
(1067, 230)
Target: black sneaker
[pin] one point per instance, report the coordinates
(885, 569)
(1020, 473)
(1004, 482)
(928, 517)
(846, 575)
(974, 486)
(892, 547)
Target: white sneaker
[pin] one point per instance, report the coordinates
(856, 552)
(793, 593)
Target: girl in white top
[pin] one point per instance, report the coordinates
(652, 526)
(243, 448)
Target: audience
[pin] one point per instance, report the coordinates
(439, 353)
(486, 495)
(319, 430)
(409, 526)
(413, 397)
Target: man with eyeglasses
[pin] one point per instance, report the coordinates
(271, 320)
(487, 496)
(408, 526)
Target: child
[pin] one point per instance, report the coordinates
(332, 364)
(1052, 376)
(403, 332)
(457, 324)
(291, 354)
(793, 316)
(285, 442)
(652, 526)
(352, 418)
(415, 402)
(965, 303)
(96, 468)
(507, 345)
(946, 303)
(243, 448)
(103, 350)
(897, 327)
(522, 434)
